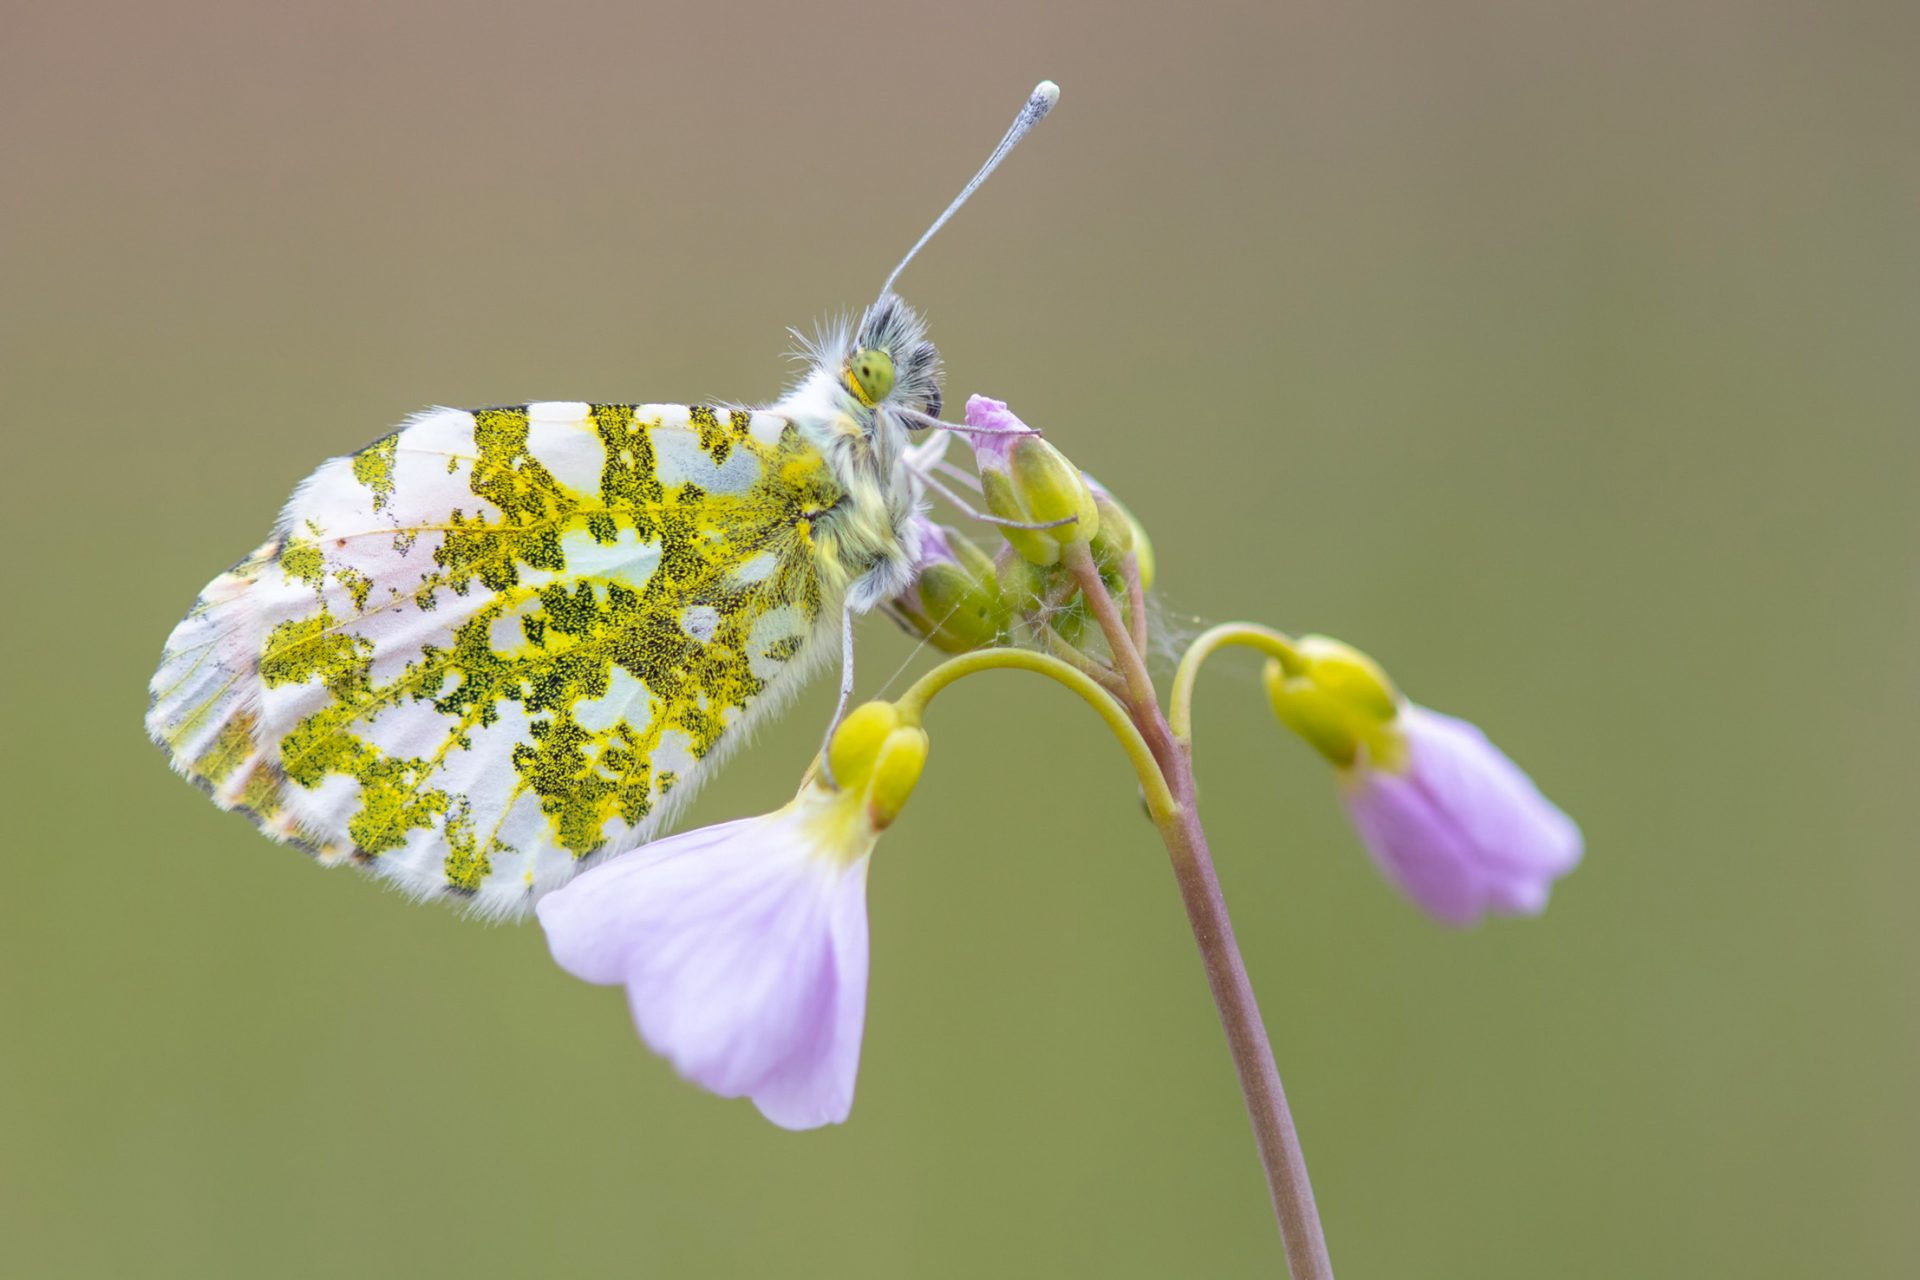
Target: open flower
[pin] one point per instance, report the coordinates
(1449, 819)
(743, 946)
(1457, 826)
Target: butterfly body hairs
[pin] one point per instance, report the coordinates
(499, 645)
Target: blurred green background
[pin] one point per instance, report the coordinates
(1562, 356)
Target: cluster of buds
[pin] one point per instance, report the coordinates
(963, 598)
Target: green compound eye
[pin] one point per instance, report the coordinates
(870, 375)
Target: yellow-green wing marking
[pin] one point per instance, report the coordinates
(499, 643)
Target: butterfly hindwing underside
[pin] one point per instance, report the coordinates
(498, 644)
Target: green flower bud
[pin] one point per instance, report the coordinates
(896, 771)
(878, 754)
(1338, 699)
(1025, 585)
(955, 603)
(1119, 534)
(1028, 481)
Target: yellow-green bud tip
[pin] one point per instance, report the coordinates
(1339, 700)
(1040, 486)
(878, 753)
(1121, 534)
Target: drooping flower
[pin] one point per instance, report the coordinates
(743, 946)
(1458, 827)
(1449, 819)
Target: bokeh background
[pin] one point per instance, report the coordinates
(1563, 356)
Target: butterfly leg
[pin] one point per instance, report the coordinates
(927, 478)
(846, 695)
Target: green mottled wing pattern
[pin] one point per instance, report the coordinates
(498, 644)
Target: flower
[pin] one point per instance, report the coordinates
(1449, 819)
(1457, 826)
(743, 946)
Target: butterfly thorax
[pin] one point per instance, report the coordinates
(866, 541)
(865, 555)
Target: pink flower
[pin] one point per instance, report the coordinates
(1456, 825)
(743, 948)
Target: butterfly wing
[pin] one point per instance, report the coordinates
(496, 645)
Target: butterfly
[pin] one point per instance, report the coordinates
(497, 646)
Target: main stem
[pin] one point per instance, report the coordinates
(1273, 1133)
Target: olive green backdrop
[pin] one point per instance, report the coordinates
(1562, 356)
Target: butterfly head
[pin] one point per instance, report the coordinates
(890, 362)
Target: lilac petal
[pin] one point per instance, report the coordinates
(1463, 832)
(744, 952)
(929, 544)
(816, 1087)
(993, 448)
(590, 922)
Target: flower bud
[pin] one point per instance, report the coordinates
(955, 602)
(857, 742)
(1120, 534)
(1026, 586)
(1337, 698)
(1028, 481)
(896, 771)
(878, 755)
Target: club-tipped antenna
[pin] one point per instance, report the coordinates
(1045, 94)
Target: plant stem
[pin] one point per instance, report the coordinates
(1250, 634)
(1136, 601)
(1301, 1234)
(1142, 702)
(1163, 761)
(1161, 805)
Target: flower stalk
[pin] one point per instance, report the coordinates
(1274, 1134)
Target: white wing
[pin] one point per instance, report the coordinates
(497, 645)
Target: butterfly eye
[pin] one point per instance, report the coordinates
(870, 375)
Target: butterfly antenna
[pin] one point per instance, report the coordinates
(1045, 94)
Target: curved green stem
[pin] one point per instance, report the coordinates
(1160, 801)
(1250, 635)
